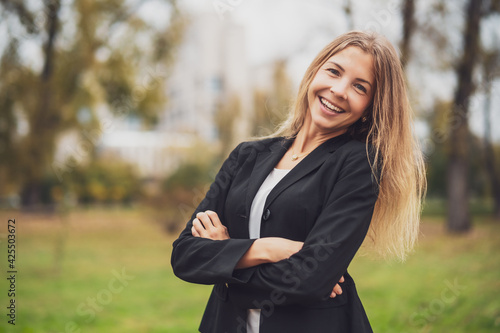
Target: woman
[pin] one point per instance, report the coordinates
(285, 215)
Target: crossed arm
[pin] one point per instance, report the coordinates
(264, 250)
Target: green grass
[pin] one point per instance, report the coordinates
(64, 263)
(450, 284)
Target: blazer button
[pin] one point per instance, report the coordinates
(266, 214)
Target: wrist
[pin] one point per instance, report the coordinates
(262, 250)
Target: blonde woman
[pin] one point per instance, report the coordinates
(286, 214)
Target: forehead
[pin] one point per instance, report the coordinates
(354, 61)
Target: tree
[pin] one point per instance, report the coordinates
(458, 219)
(225, 119)
(409, 25)
(272, 107)
(490, 64)
(94, 54)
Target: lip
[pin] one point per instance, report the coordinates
(327, 111)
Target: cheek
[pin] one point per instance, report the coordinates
(360, 104)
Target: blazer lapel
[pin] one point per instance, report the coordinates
(311, 162)
(265, 162)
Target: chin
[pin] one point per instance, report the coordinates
(326, 125)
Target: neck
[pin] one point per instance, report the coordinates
(309, 137)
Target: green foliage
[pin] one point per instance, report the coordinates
(197, 170)
(52, 190)
(93, 54)
(225, 119)
(189, 175)
(184, 189)
(272, 107)
(99, 182)
(105, 182)
(437, 157)
(436, 173)
(435, 206)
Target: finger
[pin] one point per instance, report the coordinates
(333, 294)
(199, 228)
(214, 218)
(337, 289)
(341, 279)
(194, 232)
(205, 220)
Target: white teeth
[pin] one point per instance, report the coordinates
(330, 105)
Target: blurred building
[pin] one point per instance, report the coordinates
(210, 68)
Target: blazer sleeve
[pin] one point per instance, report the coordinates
(206, 261)
(309, 275)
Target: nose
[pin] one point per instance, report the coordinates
(339, 89)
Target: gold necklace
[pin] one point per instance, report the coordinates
(295, 156)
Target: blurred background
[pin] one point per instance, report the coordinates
(115, 116)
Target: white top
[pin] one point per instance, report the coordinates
(256, 211)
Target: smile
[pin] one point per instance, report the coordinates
(330, 106)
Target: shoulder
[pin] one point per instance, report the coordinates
(248, 150)
(353, 156)
(262, 143)
(361, 151)
(352, 149)
(358, 160)
(253, 147)
(353, 146)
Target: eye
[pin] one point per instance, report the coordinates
(333, 71)
(360, 87)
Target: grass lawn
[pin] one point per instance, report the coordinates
(109, 271)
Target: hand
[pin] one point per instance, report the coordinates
(208, 225)
(337, 290)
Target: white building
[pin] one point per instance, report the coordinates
(210, 68)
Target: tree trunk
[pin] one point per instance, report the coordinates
(489, 153)
(408, 13)
(43, 122)
(458, 198)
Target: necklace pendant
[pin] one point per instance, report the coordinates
(294, 157)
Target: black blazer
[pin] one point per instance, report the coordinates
(326, 201)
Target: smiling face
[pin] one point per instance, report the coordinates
(341, 91)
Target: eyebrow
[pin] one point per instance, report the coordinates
(343, 70)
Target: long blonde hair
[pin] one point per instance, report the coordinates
(388, 132)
